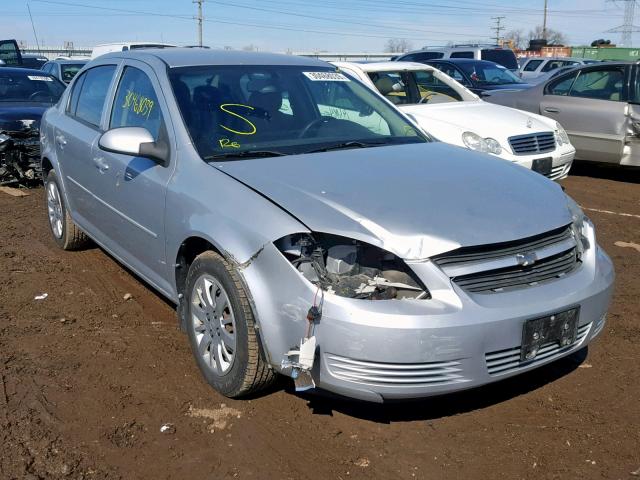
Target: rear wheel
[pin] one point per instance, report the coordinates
(221, 331)
(65, 233)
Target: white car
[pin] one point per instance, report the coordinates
(535, 67)
(448, 111)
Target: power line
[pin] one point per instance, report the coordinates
(627, 28)
(498, 27)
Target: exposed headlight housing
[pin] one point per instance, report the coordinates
(581, 225)
(561, 136)
(474, 141)
(350, 268)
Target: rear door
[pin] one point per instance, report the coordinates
(591, 104)
(134, 188)
(76, 134)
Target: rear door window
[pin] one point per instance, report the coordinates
(136, 103)
(562, 86)
(393, 86)
(462, 55)
(532, 65)
(88, 105)
(502, 56)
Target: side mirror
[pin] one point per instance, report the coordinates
(135, 141)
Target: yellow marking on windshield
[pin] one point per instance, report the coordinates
(224, 106)
(139, 104)
(226, 143)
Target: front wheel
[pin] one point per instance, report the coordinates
(65, 233)
(221, 331)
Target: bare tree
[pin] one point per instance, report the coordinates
(518, 38)
(397, 45)
(554, 37)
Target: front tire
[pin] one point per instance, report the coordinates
(65, 233)
(220, 326)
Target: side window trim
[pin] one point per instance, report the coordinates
(109, 94)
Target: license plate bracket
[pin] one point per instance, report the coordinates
(542, 165)
(560, 328)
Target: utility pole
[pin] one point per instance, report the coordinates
(544, 21)
(498, 27)
(200, 19)
(627, 28)
(34, 30)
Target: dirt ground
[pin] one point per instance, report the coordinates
(88, 379)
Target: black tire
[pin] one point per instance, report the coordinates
(248, 372)
(71, 237)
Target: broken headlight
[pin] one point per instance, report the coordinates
(581, 224)
(350, 268)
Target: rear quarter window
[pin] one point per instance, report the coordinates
(504, 57)
(532, 65)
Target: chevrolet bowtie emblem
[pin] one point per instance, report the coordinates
(526, 259)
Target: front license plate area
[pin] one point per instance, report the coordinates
(559, 328)
(542, 165)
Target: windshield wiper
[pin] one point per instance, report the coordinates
(350, 144)
(244, 154)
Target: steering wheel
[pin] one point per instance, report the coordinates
(37, 94)
(426, 98)
(314, 124)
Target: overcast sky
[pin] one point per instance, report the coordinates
(278, 25)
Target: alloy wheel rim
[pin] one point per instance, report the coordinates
(54, 208)
(214, 325)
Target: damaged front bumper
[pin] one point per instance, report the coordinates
(378, 350)
(20, 157)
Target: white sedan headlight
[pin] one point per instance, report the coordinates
(474, 141)
(561, 135)
(493, 146)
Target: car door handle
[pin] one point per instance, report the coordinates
(101, 164)
(61, 140)
(551, 110)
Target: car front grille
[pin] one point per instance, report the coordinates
(512, 265)
(505, 361)
(399, 375)
(533, 143)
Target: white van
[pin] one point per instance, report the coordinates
(121, 47)
(493, 53)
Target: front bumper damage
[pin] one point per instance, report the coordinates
(20, 157)
(411, 348)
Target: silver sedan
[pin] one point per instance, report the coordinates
(304, 226)
(598, 105)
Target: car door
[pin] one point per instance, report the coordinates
(75, 134)
(134, 188)
(591, 104)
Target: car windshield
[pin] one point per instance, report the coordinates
(489, 74)
(413, 86)
(237, 111)
(26, 86)
(70, 70)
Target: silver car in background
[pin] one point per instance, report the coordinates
(598, 105)
(304, 226)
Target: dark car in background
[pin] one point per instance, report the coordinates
(492, 53)
(480, 76)
(32, 60)
(63, 69)
(25, 94)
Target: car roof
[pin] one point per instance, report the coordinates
(461, 61)
(385, 66)
(554, 58)
(183, 57)
(66, 61)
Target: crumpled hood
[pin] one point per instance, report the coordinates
(17, 117)
(485, 119)
(413, 200)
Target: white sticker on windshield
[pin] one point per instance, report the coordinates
(39, 77)
(326, 77)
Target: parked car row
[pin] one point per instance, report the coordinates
(306, 226)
